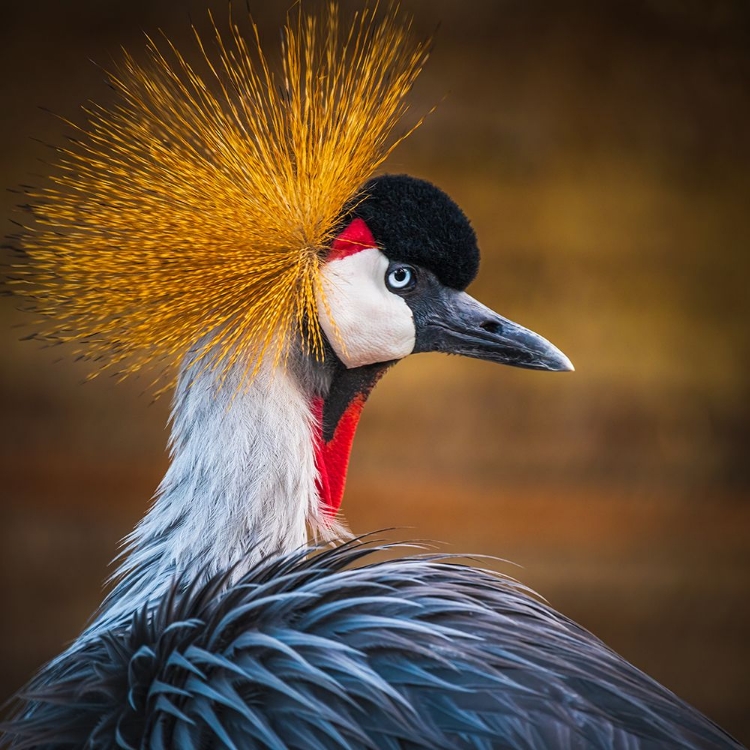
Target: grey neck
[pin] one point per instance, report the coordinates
(241, 484)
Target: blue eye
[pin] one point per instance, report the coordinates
(400, 278)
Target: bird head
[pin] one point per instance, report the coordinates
(223, 214)
(393, 284)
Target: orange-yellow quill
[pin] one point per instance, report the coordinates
(195, 211)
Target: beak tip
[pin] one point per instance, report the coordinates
(566, 365)
(555, 361)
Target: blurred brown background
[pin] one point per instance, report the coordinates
(602, 150)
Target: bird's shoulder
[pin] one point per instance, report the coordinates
(321, 651)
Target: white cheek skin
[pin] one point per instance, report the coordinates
(364, 321)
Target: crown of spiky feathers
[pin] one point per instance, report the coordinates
(195, 210)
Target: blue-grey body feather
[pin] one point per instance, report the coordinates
(314, 651)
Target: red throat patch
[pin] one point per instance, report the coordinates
(332, 457)
(355, 237)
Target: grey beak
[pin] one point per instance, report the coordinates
(456, 323)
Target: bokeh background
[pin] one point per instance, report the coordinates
(602, 151)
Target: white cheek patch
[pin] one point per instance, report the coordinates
(364, 321)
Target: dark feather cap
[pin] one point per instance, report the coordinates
(415, 222)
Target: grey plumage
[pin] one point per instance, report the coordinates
(312, 650)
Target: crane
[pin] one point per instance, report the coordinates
(230, 220)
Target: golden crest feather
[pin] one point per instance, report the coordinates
(196, 210)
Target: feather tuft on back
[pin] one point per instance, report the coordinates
(320, 651)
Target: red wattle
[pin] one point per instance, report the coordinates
(355, 237)
(332, 457)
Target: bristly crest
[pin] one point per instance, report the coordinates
(193, 213)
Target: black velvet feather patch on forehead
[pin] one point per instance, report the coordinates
(415, 222)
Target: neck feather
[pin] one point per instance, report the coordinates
(242, 483)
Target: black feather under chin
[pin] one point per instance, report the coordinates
(306, 651)
(415, 222)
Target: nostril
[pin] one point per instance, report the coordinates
(491, 326)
